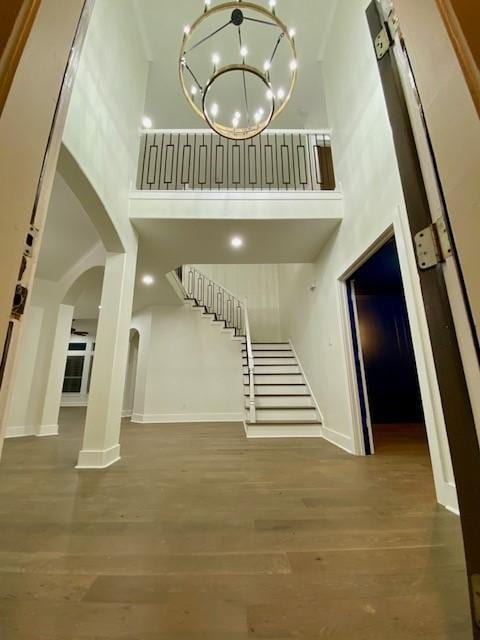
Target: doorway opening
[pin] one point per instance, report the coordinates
(389, 391)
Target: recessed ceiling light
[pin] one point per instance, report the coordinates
(148, 280)
(147, 122)
(236, 242)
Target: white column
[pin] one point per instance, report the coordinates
(56, 372)
(101, 444)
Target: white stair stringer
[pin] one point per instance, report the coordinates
(285, 407)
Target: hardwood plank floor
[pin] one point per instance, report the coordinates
(198, 533)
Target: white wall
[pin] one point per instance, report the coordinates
(107, 104)
(193, 371)
(29, 383)
(259, 284)
(365, 164)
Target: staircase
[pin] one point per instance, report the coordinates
(284, 405)
(278, 399)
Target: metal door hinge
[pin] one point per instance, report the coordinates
(383, 42)
(432, 245)
(475, 584)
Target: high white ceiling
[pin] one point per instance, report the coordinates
(161, 24)
(69, 234)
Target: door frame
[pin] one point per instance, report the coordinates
(427, 379)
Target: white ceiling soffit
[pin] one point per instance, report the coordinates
(69, 234)
(167, 244)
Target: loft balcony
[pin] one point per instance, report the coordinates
(199, 160)
(196, 174)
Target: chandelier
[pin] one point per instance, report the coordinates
(238, 67)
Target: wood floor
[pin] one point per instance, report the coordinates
(198, 534)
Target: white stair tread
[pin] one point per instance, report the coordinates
(281, 402)
(272, 361)
(271, 346)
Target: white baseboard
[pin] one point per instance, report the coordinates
(179, 418)
(19, 432)
(282, 431)
(99, 458)
(339, 440)
(46, 430)
(127, 413)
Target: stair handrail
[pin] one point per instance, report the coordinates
(215, 298)
(251, 366)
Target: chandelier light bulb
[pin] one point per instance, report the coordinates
(203, 69)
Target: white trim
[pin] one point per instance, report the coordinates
(226, 194)
(98, 458)
(350, 367)
(74, 403)
(176, 285)
(258, 430)
(126, 413)
(185, 418)
(47, 430)
(27, 432)
(339, 440)
(270, 131)
(19, 432)
(307, 384)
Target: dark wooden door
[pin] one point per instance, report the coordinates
(459, 420)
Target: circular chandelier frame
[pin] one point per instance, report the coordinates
(230, 132)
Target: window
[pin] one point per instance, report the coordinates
(72, 382)
(77, 346)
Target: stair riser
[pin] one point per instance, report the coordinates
(275, 362)
(271, 347)
(276, 379)
(276, 402)
(284, 431)
(274, 370)
(286, 415)
(279, 390)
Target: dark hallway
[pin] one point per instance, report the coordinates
(390, 372)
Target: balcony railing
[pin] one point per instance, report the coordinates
(199, 160)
